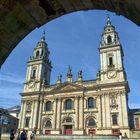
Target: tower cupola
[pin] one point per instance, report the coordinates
(39, 67)
(109, 36)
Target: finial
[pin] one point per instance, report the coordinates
(108, 20)
(69, 75)
(80, 77)
(69, 70)
(43, 37)
(98, 75)
(59, 79)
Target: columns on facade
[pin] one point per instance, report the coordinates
(23, 114)
(77, 113)
(124, 109)
(81, 113)
(120, 117)
(103, 110)
(99, 119)
(35, 114)
(58, 123)
(107, 103)
(54, 113)
(40, 114)
(32, 114)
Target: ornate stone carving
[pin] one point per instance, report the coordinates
(113, 102)
(28, 106)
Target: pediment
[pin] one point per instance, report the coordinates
(67, 87)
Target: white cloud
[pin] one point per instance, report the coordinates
(134, 105)
(10, 77)
(9, 96)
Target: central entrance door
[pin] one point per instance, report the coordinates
(68, 130)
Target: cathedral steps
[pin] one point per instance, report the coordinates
(74, 137)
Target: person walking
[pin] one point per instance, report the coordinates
(12, 136)
(32, 136)
(120, 136)
(23, 135)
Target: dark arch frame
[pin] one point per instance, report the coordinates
(40, 12)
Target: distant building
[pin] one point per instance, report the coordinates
(14, 111)
(81, 107)
(134, 120)
(7, 121)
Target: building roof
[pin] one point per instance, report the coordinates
(14, 109)
(135, 111)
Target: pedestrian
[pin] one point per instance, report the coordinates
(23, 135)
(12, 136)
(32, 136)
(120, 136)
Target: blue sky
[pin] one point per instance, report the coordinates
(73, 40)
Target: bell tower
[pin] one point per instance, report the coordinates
(39, 67)
(111, 56)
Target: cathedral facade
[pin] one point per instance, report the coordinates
(81, 107)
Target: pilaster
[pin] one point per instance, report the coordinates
(40, 114)
(35, 114)
(23, 117)
(107, 102)
(54, 113)
(32, 114)
(58, 123)
(76, 113)
(81, 113)
(99, 119)
(120, 115)
(103, 110)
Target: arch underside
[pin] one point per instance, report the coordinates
(19, 18)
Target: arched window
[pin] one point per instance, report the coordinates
(48, 124)
(37, 53)
(91, 122)
(42, 52)
(114, 119)
(33, 73)
(111, 61)
(48, 106)
(68, 104)
(91, 103)
(27, 121)
(109, 39)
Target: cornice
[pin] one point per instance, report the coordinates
(32, 93)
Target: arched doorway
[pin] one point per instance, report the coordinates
(91, 126)
(67, 126)
(47, 126)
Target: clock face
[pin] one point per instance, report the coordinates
(111, 74)
(31, 84)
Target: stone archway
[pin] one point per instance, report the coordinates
(90, 125)
(67, 125)
(47, 125)
(19, 18)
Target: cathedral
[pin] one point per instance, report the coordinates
(82, 107)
